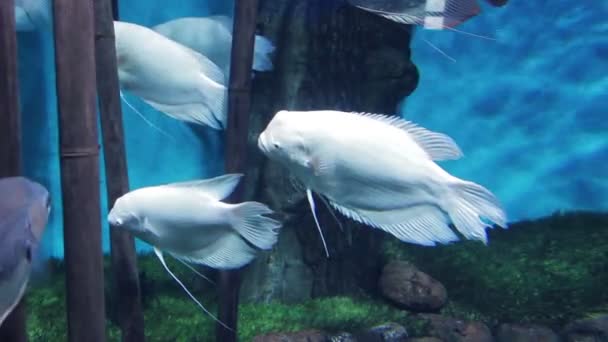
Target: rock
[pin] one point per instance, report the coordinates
(587, 330)
(525, 333)
(343, 337)
(389, 332)
(300, 336)
(329, 55)
(424, 339)
(455, 330)
(405, 285)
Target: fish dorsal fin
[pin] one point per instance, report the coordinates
(437, 145)
(217, 188)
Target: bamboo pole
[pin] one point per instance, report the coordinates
(79, 153)
(14, 327)
(239, 101)
(126, 286)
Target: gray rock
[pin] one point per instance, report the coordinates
(343, 337)
(300, 336)
(451, 329)
(525, 333)
(405, 285)
(388, 332)
(587, 330)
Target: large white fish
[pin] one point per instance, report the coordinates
(380, 171)
(189, 221)
(33, 15)
(24, 210)
(212, 37)
(169, 76)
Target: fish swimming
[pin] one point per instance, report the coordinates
(212, 37)
(33, 15)
(170, 77)
(380, 171)
(430, 14)
(24, 210)
(189, 221)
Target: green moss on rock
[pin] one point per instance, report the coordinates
(547, 271)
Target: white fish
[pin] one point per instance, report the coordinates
(170, 77)
(33, 15)
(380, 171)
(189, 221)
(212, 37)
(24, 211)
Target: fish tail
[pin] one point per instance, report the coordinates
(471, 206)
(249, 221)
(261, 54)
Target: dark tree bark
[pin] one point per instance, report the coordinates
(13, 328)
(239, 100)
(126, 296)
(329, 55)
(79, 153)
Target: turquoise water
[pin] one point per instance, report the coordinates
(527, 109)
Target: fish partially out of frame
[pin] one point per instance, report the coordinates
(24, 209)
(380, 171)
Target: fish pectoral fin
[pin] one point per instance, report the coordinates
(229, 251)
(217, 188)
(311, 202)
(438, 146)
(159, 254)
(196, 113)
(423, 224)
(249, 222)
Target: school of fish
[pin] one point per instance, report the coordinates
(375, 169)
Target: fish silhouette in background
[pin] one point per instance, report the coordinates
(380, 171)
(189, 221)
(212, 37)
(170, 77)
(24, 209)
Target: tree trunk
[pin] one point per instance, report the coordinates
(126, 294)
(329, 56)
(79, 153)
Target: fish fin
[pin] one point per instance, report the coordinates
(195, 271)
(196, 113)
(331, 211)
(439, 50)
(249, 222)
(423, 224)
(311, 202)
(124, 99)
(159, 254)
(432, 14)
(217, 188)
(229, 251)
(263, 47)
(208, 68)
(438, 146)
(469, 204)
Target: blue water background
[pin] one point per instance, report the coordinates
(528, 110)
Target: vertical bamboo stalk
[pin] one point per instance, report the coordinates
(239, 102)
(14, 328)
(79, 153)
(124, 259)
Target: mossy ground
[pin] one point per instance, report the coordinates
(171, 316)
(549, 271)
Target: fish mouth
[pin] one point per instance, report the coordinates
(263, 143)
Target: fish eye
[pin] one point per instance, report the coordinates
(276, 145)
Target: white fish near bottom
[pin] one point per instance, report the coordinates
(212, 37)
(380, 171)
(189, 221)
(170, 77)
